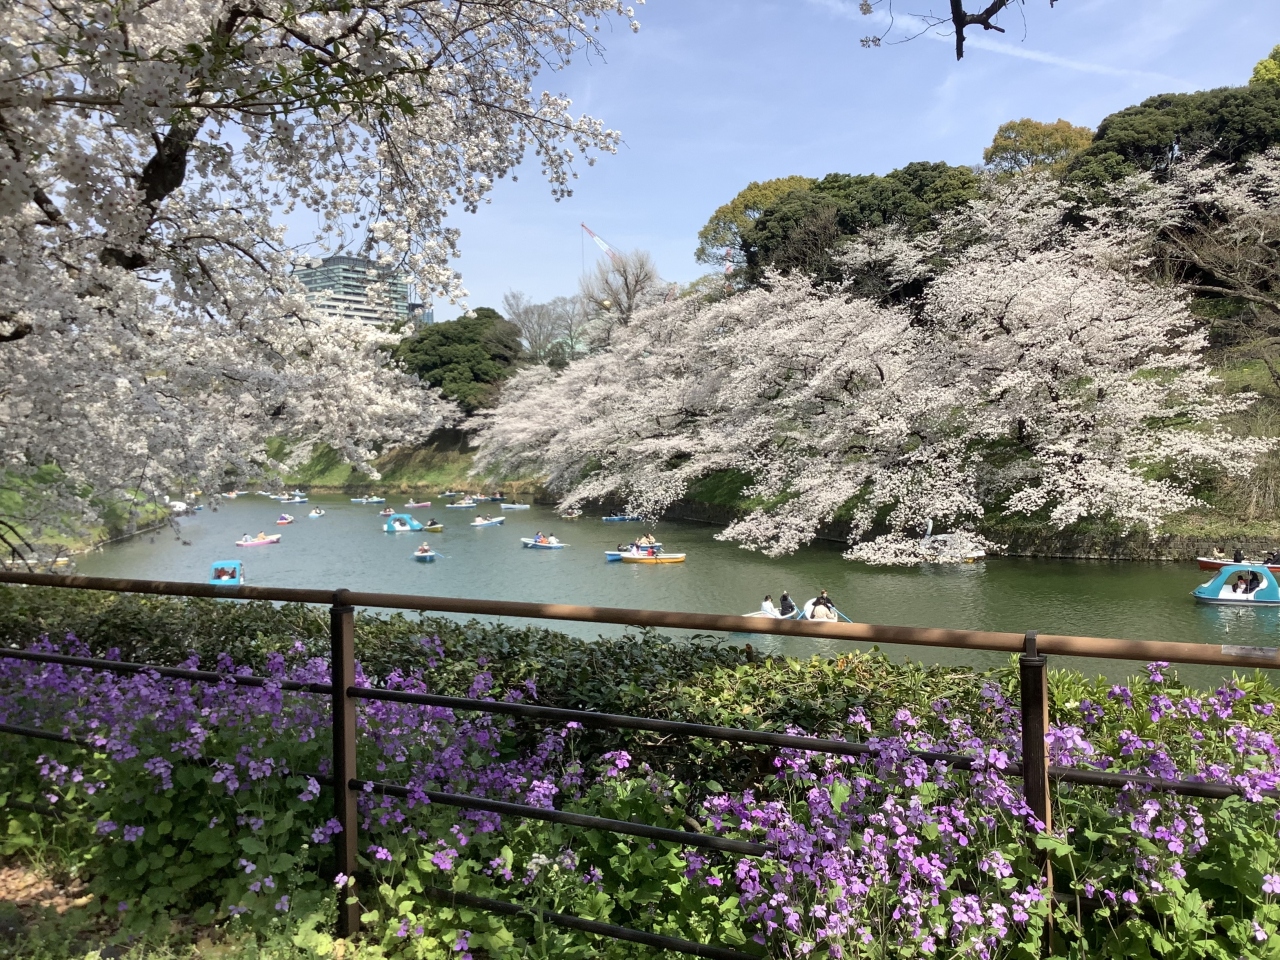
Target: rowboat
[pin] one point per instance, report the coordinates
(265, 541)
(461, 505)
(659, 558)
(428, 557)
(623, 518)
(571, 515)
(434, 528)
(294, 499)
(317, 512)
(386, 513)
(361, 500)
(401, 523)
(477, 522)
(1224, 588)
(224, 572)
(375, 499)
(1208, 563)
(413, 505)
(806, 613)
(513, 506)
(533, 544)
(284, 518)
(452, 493)
(613, 555)
(795, 614)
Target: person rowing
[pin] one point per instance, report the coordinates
(423, 550)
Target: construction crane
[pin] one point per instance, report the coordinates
(672, 288)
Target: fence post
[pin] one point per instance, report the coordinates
(342, 668)
(1033, 681)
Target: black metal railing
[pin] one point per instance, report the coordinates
(1037, 774)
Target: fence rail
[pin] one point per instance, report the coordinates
(1037, 774)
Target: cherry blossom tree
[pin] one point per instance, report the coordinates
(1039, 372)
(151, 334)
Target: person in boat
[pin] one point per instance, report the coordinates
(822, 600)
(1219, 553)
(786, 606)
(424, 549)
(1254, 583)
(1239, 585)
(246, 538)
(262, 535)
(551, 539)
(1238, 556)
(767, 607)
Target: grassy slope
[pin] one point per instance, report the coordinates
(438, 465)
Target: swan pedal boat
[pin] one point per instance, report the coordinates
(487, 523)
(265, 541)
(401, 523)
(513, 506)
(224, 573)
(1218, 590)
(428, 557)
(533, 544)
(660, 558)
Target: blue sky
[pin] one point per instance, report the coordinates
(712, 95)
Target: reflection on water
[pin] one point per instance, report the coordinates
(347, 548)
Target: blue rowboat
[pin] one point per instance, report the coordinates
(401, 523)
(1225, 588)
(532, 544)
(513, 506)
(623, 518)
(487, 523)
(464, 505)
(428, 557)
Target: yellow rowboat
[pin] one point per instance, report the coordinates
(660, 558)
(434, 528)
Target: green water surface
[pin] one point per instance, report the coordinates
(348, 548)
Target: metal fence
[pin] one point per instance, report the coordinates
(1037, 774)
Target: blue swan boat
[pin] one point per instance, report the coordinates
(226, 573)
(1225, 589)
(401, 523)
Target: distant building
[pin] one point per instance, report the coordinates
(338, 286)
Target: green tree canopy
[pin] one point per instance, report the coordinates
(1028, 144)
(1267, 70)
(801, 229)
(724, 231)
(1229, 124)
(467, 358)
